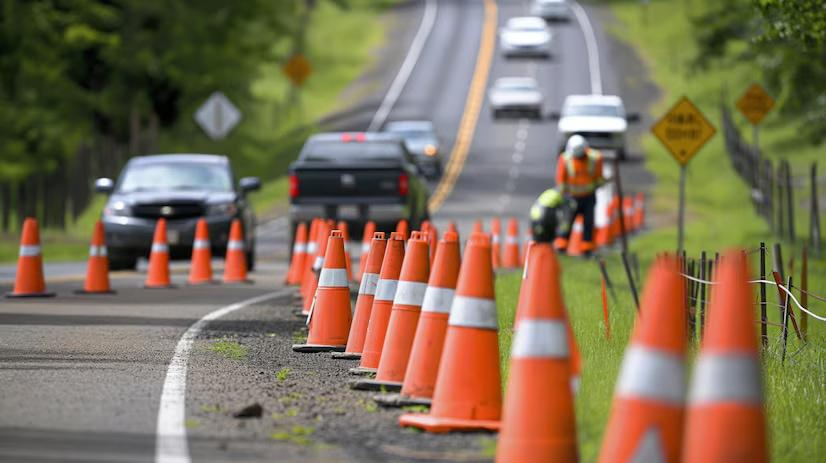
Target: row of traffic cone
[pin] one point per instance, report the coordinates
(30, 282)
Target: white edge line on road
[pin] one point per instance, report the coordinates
(591, 47)
(416, 47)
(171, 444)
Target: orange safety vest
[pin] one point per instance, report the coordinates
(580, 176)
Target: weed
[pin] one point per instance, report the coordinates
(297, 435)
(369, 406)
(192, 423)
(211, 408)
(229, 349)
(416, 408)
(282, 374)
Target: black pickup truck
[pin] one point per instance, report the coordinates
(357, 177)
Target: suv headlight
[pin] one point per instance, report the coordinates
(222, 209)
(117, 208)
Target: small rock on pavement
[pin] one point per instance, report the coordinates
(250, 411)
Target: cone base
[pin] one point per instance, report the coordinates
(104, 292)
(169, 286)
(438, 424)
(400, 400)
(310, 348)
(28, 295)
(375, 385)
(363, 371)
(346, 355)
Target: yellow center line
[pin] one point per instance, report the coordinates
(473, 106)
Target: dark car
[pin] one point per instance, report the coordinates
(422, 141)
(180, 188)
(357, 177)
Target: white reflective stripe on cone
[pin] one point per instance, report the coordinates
(495, 239)
(542, 338)
(333, 278)
(410, 293)
(160, 247)
(511, 240)
(577, 227)
(29, 250)
(201, 244)
(369, 281)
(386, 290)
(653, 375)
(97, 251)
(437, 299)
(365, 248)
(473, 312)
(649, 448)
(299, 248)
(235, 245)
(318, 263)
(726, 378)
(312, 248)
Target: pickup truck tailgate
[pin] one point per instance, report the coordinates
(350, 184)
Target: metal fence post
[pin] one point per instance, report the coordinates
(814, 219)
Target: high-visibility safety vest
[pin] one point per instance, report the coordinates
(581, 176)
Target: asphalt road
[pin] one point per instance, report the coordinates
(81, 377)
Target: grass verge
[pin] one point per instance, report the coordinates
(719, 215)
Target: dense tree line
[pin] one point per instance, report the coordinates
(787, 39)
(99, 80)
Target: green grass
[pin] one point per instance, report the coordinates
(229, 349)
(282, 374)
(297, 435)
(719, 216)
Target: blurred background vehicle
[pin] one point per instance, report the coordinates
(551, 10)
(526, 36)
(516, 97)
(601, 119)
(356, 177)
(423, 143)
(180, 188)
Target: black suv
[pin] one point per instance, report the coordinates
(180, 188)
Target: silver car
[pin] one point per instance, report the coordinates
(516, 96)
(526, 36)
(551, 10)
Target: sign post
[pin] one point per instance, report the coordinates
(683, 130)
(754, 104)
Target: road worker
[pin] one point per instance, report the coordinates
(548, 213)
(578, 175)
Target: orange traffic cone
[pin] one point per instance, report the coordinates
(345, 232)
(364, 303)
(29, 281)
(158, 274)
(575, 241)
(323, 234)
(468, 392)
(478, 227)
(391, 266)
(495, 249)
(404, 317)
(452, 227)
(725, 420)
(616, 226)
(299, 255)
(403, 229)
(369, 230)
(432, 240)
(200, 270)
(639, 211)
(646, 421)
(538, 421)
(511, 258)
(309, 260)
(628, 213)
(329, 318)
(420, 378)
(235, 263)
(97, 269)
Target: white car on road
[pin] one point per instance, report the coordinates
(552, 10)
(526, 36)
(518, 96)
(601, 119)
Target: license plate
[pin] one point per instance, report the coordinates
(173, 236)
(348, 212)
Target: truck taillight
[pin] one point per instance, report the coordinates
(293, 186)
(404, 184)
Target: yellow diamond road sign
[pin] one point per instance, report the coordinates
(683, 130)
(755, 104)
(297, 69)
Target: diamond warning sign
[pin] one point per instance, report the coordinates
(298, 69)
(755, 104)
(683, 130)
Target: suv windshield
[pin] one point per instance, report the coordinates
(365, 151)
(593, 110)
(166, 176)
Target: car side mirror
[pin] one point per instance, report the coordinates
(632, 117)
(554, 115)
(104, 185)
(248, 184)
